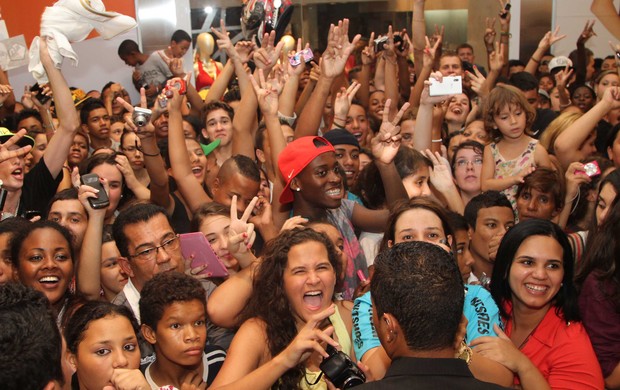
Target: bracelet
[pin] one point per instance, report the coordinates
(150, 155)
(340, 119)
(437, 140)
(506, 34)
(566, 105)
(535, 60)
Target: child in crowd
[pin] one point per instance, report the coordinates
(513, 154)
(173, 312)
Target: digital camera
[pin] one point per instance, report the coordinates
(341, 370)
(141, 116)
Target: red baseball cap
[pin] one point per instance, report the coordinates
(296, 156)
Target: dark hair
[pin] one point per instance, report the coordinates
(548, 181)
(457, 222)
(573, 88)
(408, 161)
(483, 201)
(420, 285)
(611, 138)
(13, 224)
(565, 301)
(141, 212)
(232, 95)
(369, 187)
(30, 343)
(581, 204)
(464, 46)
(163, 290)
(194, 122)
(180, 36)
(28, 113)
(205, 211)
(67, 194)
(269, 301)
(20, 237)
(242, 164)
(90, 105)
(512, 63)
(128, 47)
(89, 312)
(602, 257)
(525, 81)
(549, 76)
(416, 203)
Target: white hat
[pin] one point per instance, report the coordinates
(560, 62)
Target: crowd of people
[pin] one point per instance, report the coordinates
(369, 229)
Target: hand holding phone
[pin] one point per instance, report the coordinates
(450, 85)
(196, 246)
(101, 201)
(40, 96)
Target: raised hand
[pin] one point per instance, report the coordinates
(309, 340)
(85, 192)
(430, 51)
(426, 98)
(267, 56)
(550, 38)
(389, 51)
(587, 33)
(241, 234)
(5, 91)
(489, 32)
(244, 50)
(496, 57)
(387, 141)
(338, 49)
(298, 69)
(441, 175)
(406, 46)
(7, 151)
(176, 67)
(266, 94)
(562, 77)
(477, 80)
(504, 15)
(368, 54)
(223, 41)
(343, 101)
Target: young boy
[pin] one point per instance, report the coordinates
(150, 72)
(180, 42)
(173, 312)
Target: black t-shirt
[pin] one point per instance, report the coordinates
(39, 188)
(544, 116)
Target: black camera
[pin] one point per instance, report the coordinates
(341, 370)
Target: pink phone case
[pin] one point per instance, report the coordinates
(195, 244)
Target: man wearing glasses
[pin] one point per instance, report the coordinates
(148, 246)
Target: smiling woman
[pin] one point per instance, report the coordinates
(291, 309)
(533, 286)
(43, 255)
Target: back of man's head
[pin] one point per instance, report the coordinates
(141, 212)
(420, 285)
(525, 81)
(483, 201)
(30, 343)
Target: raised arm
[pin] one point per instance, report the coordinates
(504, 25)
(391, 72)
(422, 136)
(88, 276)
(544, 45)
(332, 65)
(418, 32)
(58, 147)
(190, 188)
(571, 139)
(384, 148)
(289, 93)
(368, 61)
(429, 54)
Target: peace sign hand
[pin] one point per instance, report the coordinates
(241, 234)
(387, 141)
(6, 153)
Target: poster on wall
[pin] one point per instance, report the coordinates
(572, 19)
(13, 53)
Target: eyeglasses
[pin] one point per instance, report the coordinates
(150, 254)
(462, 163)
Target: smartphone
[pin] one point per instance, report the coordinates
(101, 201)
(196, 245)
(296, 59)
(504, 14)
(450, 85)
(41, 97)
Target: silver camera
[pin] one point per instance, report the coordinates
(141, 116)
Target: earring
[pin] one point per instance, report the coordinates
(297, 189)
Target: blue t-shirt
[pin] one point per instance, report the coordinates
(479, 309)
